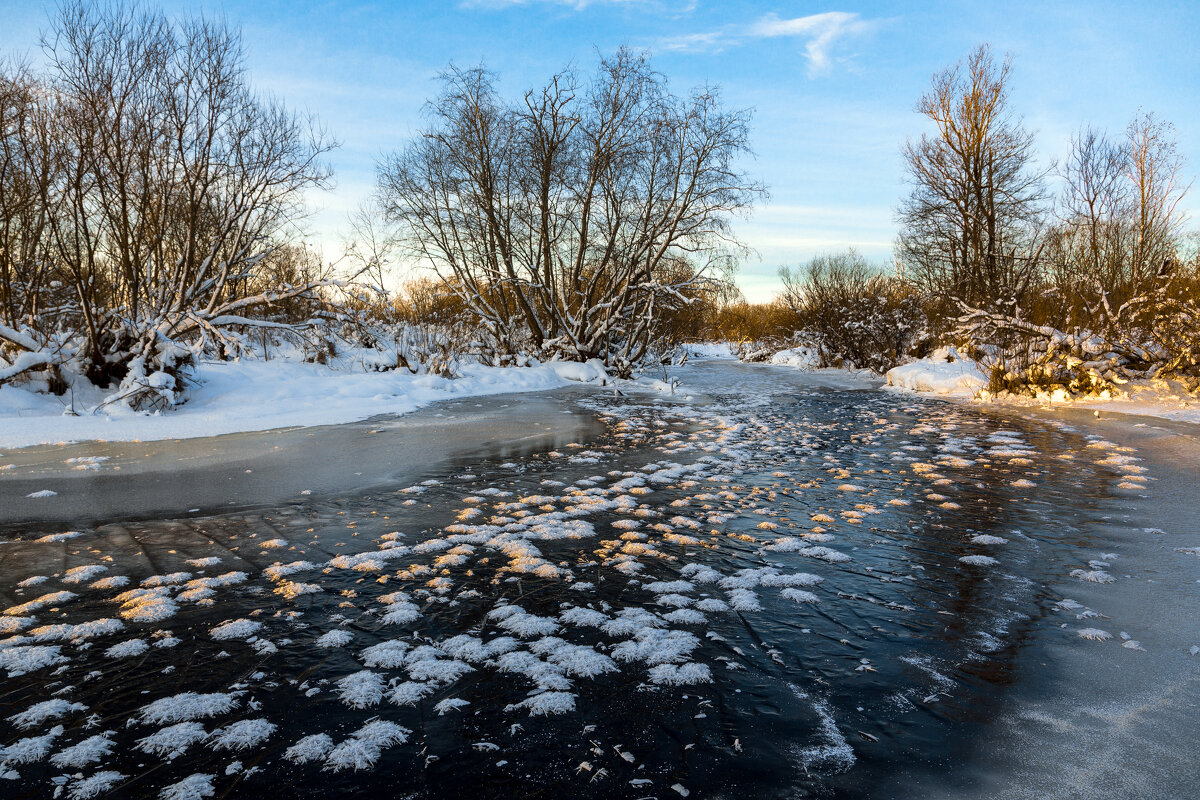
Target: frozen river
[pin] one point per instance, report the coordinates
(776, 585)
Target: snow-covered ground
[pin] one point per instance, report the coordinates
(1162, 399)
(709, 350)
(946, 373)
(254, 395)
(802, 357)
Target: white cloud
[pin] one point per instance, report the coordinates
(820, 33)
(711, 42)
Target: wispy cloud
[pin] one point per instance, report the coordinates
(819, 32)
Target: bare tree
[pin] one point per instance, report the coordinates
(1126, 298)
(165, 183)
(1091, 244)
(28, 171)
(971, 220)
(1115, 248)
(573, 220)
(1152, 167)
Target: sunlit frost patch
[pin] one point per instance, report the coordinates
(187, 706)
(10, 625)
(235, 629)
(146, 605)
(77, 632)
(38, 603)
(83, 573)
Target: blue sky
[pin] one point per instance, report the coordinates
(833, 86)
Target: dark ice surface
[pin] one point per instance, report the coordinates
(754, 589)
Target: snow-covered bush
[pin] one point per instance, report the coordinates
(116, 251)
(854, 314)
(1155, 335)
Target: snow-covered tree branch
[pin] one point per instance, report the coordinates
(144, 188)
(572, 222)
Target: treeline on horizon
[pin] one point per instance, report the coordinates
(152, 204)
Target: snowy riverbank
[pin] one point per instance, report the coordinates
(256, 395)
(947, 374)
(944, 372)
(251, 395)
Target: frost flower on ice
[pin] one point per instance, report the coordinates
(680, 674)
(89, 751)
(335, 638)
(237, 629)
(173, 740)
(243, 734)
(133, 647)
(30, 749)
(546, 704)
(1094, 634)
(310, 748)
(187, 706)
(94, 785)
(450, 704)
(45, 710)
(193, 787)
(19, 660)
(361, 689)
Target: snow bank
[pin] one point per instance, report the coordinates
(708, 350)
(589, 371)
(944, 372)
(949, 374)
(1164, 399)
(234, 397)
(802, 357)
